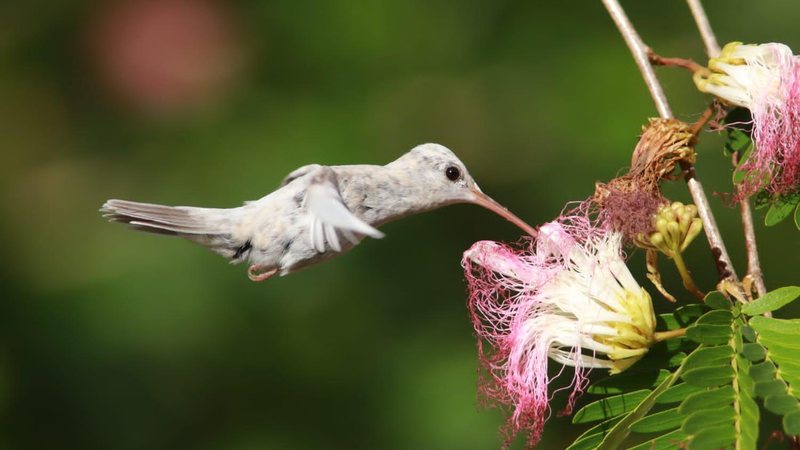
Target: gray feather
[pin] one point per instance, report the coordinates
(206, 226)
(160, 218)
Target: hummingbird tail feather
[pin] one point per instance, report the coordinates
(206, 226)
(179, 220)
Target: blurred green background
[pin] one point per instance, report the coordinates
(117, 340)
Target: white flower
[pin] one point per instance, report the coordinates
(746, 75)
(570, 298)
(766, 80)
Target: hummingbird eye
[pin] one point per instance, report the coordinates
(452, 173)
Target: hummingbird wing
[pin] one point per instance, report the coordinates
(329, 215)
(299, 172)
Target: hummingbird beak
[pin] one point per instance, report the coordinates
(481, 199)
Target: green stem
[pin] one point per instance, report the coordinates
(688, 282)
(660, 336)
(622, 429)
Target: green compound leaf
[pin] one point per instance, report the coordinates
(634, 391)
(777, 379)
(610, 407)
(638, 421)
(713, 408)
(723, 417)
(772, 300)
(620, 411)
(721, 412)
(781, 208)
(621, 430)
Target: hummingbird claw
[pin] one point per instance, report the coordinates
(255, 274)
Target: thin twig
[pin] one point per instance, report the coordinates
(640, 56)
(704, 118)
(719, 252)
(753, 263)
(700, 18)
(639, 51)
(686, 63)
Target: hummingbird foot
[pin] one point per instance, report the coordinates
(255, 273)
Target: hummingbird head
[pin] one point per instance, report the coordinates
(446, 181)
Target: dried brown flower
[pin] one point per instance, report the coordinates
(627, 203)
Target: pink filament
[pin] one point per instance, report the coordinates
(504, 285)
(775, 163)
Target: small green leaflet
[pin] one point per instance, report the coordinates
(738, 141)
(666, 442)
(744, 153)
(782, 207)
(677, 393)
(681, 317)
(772, 300)
(592, 437)
(713, 327)
(666, 420)
(717, 300)
(610, 407)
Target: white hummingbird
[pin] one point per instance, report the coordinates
(304, 220)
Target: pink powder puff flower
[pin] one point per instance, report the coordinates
(568, 297)
(766, 80)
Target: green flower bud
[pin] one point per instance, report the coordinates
(676, 225)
